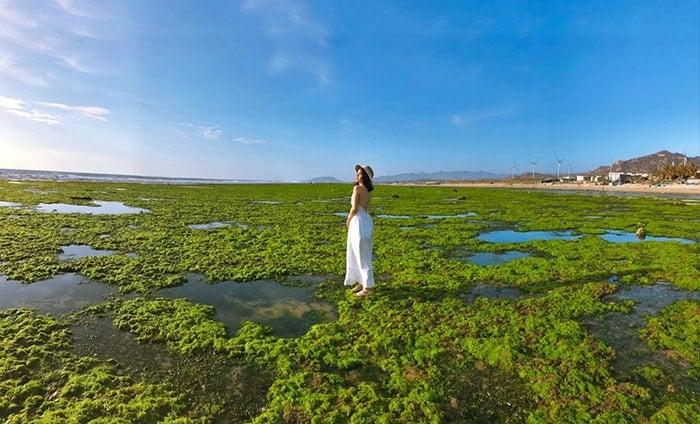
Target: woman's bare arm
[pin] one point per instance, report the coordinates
(354, 203)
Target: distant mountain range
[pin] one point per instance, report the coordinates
(643, 164)
(440, 176)
(326, 180)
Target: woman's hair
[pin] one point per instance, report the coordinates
(366, 180)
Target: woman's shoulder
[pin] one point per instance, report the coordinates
(360, 189)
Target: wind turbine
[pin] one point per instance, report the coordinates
(512, 170)
(559, 161)
(534, 164)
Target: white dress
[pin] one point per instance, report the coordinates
(358, 257)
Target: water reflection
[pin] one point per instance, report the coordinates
(290, 311)
(510, 236)
(8, 204)
(459, 215)
(620, 330)
(387, 216)
(75, 251)
(210, 225)
(495, 258)
(56, 296)
(614, 236)
(101, 208)
(206, 378)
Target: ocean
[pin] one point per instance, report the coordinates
(40, 175)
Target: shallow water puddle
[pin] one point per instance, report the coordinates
(510, 236)
(210, 225)
(268, 202)
(290, 311)
(459, 215)
(387, 216)
(56, 296)
(206, 377)
(494, 258)
(75, 251)
(614, 236)
(9, 204)
(101, 208)
(619, 330)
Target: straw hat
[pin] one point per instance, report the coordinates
(368, 170)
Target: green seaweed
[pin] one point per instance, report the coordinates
(43, 382)
(416, 350)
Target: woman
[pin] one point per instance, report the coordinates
(360, 234)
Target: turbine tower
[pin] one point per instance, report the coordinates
(559, 161)
(512, 170)
(534, 164)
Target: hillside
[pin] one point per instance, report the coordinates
(644, 164)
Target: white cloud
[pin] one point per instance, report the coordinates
(37, 116)
(188, 130)
(10, 103)
(243, 140)
(211, 133)
(17, 108)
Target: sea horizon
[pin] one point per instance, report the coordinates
(54, 175)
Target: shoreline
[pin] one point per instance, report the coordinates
(624, 188)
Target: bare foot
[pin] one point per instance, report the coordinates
(363, 292)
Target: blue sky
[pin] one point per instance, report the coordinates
(291, 90)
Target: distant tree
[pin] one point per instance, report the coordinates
(682, 171)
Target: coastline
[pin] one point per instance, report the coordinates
(624, 188)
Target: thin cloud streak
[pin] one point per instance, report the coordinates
(9, 15)
(299, 40)
(51, 34)
(10, 67)
(462, 120)
(68, 7)
(19, 108)
(93, 112)
(76, 65)
(243, 140)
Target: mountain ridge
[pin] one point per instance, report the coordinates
(638, 165)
